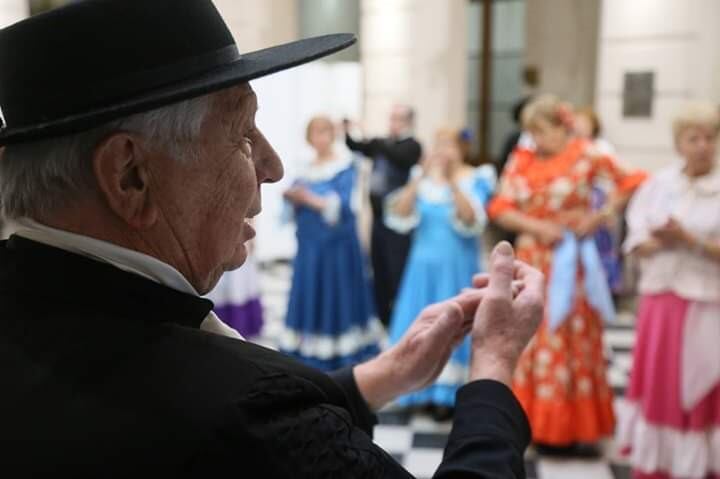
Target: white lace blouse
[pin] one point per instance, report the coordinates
(695, 203)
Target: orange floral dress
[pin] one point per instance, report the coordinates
(561, 377)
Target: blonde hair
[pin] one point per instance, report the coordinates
(694, 114)
(450, 134)
(319, 121)
(548, 108)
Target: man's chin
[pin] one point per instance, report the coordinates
(238, 259)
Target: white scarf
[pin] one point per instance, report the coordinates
(700, 361)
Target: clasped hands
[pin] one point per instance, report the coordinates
(302, 196)
(501, 313)
(669, 235)
(672, 234)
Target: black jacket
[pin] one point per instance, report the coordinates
(392, 162)
(106, 374)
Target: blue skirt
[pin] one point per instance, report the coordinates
(330, 322)
(429, 280)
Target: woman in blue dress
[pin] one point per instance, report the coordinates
(330, 320)
(445, 206)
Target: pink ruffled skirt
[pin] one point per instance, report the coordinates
(661, 439)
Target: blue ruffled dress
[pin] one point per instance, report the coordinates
(330, 321)
(444, 256)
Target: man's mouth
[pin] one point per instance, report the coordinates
(249, 231)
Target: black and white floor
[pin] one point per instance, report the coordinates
(417, 441)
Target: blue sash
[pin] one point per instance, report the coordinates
(561, 292)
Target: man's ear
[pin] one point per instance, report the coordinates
(120, 166)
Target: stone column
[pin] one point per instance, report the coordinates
(12, 10)
(414, 51)
(562, 46)
(675, 39)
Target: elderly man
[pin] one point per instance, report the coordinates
(392, 159)
(131, 168)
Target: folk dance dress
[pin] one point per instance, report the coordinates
(561, 377)
(670, 424)
(330, 321)
(444, 256)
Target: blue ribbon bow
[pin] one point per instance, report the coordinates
(561, 294)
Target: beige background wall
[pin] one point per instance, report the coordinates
(678, 40)
(562, 45)
(254, 23)
(12, 11)
(258, 24)
(414, 51)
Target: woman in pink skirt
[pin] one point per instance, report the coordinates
(670, 425)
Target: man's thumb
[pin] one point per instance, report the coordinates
(502, 261)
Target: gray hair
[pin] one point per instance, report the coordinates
(38, 176)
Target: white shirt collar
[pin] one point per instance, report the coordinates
(122, 258)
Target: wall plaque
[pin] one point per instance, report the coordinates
(638, 94)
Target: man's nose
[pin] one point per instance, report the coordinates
(268, 165)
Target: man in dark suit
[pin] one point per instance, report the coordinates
(393, 158)
(129, 179)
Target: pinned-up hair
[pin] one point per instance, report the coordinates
(549, 108)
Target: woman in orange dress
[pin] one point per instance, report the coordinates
(544, 196)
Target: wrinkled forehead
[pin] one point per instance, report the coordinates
(236, 100)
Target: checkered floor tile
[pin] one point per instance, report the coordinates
(417, 441)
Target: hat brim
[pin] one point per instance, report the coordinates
(248, 67)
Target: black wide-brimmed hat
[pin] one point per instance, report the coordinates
(94, 61)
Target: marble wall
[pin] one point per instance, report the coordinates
(415, 52)
(678, 41)
(561, 42)
(258, 24)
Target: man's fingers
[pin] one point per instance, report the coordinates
(469, 302)
(464, 331)
(449, 323)
(517, 286)
(481, 280)
(533, 292)
(530, 277)
(502, 270)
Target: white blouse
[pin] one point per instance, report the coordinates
(440, 193)
(326, 171)
(695, 204)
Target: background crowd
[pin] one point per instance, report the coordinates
(387, 224)
(563, 195)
